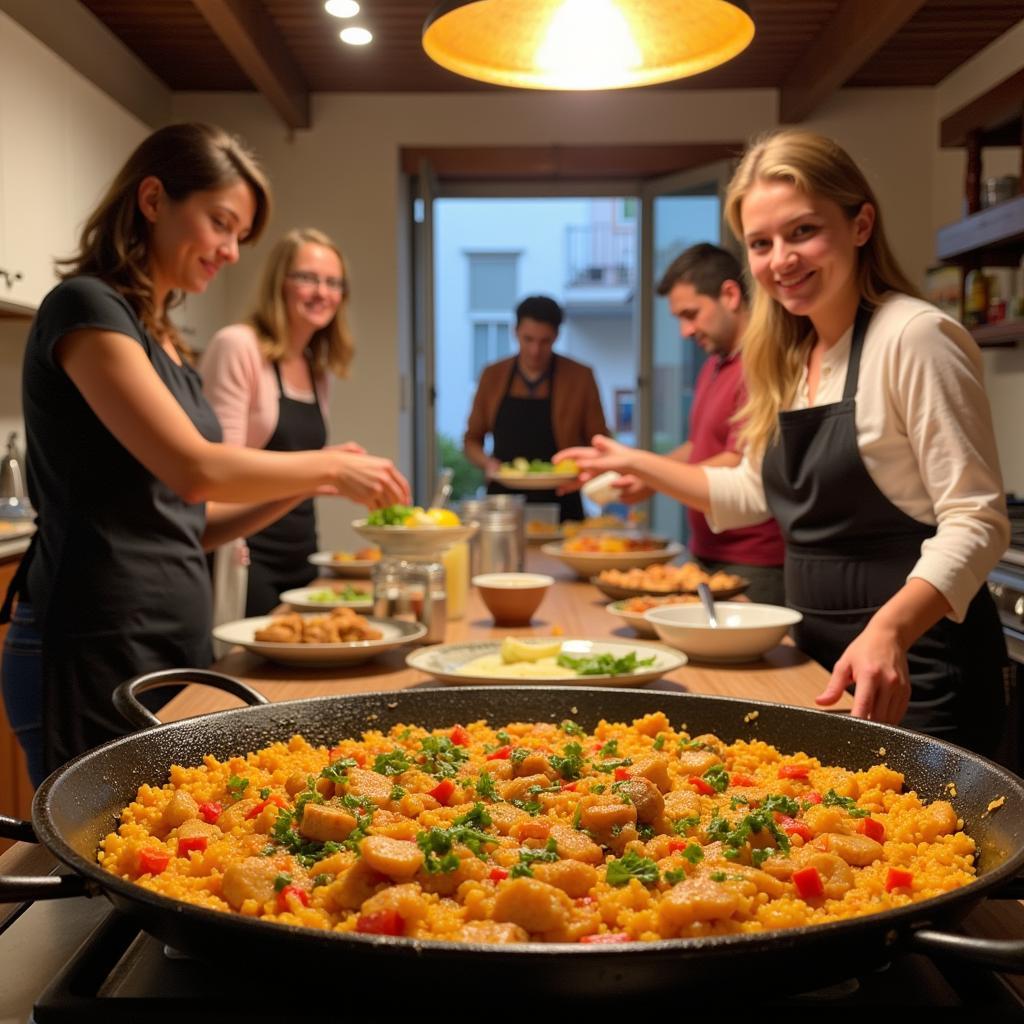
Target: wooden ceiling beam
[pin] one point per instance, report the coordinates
(250, 36)
(857, 31)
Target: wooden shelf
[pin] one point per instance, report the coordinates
(1003, 335)
(995, 115)
(993, 237)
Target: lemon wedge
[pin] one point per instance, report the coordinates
(443, 517)
(568, 467)
(513, 650)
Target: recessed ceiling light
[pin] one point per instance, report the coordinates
(342, 8)
(356, 36)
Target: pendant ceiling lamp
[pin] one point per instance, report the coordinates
(585, 44)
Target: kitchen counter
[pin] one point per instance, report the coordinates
(572, 606)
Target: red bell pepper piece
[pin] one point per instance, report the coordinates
(210, 811)
(443, 790)
(189, 843)
(898, 878)
(814, 797)
(792, 827)
(872, 828)
(621, 774)
(274, 798)
(381, 922)
(701, 785)
(808, 884)
(794, 771)
(606, 938)
(153, 861)
(291, 890)
(497, 874)
(743, 780)
(501, 754)
(569, 787)
(675, 845)
(459, 736)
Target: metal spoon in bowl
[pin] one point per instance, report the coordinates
(709, 604)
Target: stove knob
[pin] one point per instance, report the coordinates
(1018, 607)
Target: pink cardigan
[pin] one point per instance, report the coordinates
(242, 387)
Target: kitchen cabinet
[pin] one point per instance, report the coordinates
(61, 142)
(994, 236)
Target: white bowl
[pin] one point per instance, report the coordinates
(744, 631)
(590, 563)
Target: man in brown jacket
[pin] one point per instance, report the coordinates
(534, 403)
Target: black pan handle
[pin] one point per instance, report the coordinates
(16, 829)
(46, 887)
(997, 954)
(126, 695)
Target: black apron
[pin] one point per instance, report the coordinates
(278, 554)
(849, 549)
(522, 429)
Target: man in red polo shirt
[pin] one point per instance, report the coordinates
(707, 295)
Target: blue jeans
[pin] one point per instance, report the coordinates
(22, 672)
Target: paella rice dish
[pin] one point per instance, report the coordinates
(669, 578)
(538, 832)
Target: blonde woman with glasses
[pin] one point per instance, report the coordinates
(268, 380)
(868, 437)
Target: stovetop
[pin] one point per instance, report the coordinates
(120, 974)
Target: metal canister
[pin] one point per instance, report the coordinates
(516, 504)
(414, 591)
(498, 542)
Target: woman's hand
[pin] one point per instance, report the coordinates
(602, 454)
(876, 663)
(371, 480)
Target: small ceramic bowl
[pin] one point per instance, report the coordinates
(512, 597)
(744, 633)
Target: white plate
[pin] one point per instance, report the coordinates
(352, 568)
(414, 540)
(443, 662)
(302, 600)
(590, 563)
(354, 652)
(533, 481)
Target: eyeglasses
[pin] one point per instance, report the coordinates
(311, 280)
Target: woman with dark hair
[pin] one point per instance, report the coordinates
(868, 437)
(268, 380)
(126, 474)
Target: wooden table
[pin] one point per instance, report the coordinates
(573, 606)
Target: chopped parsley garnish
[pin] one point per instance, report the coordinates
(717, 777)
(682, 825)
(519, 755)
(632, 865)
(484, 786)
(610, 749)
(321, 879)
(783, 804)
(532, 807)
(570, 728)
(281, 881)
(689, 744)
(237, 786)
(722, 876)
(659, 742)
(761, 820)
(694, 853)
(264, 792)
(759, 856)
(570, 764)
(833, 799)
(604, 664)
(337, 771)
(645, 832)
(672, 877)
(306, 851)
(396, 793)
(437, 844)
(739, 801)
(477, 817)
(405, 734)
(440, 757)
(599, 788)
(393, 763)
(609, 766)
(528, 857)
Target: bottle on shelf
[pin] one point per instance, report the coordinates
(976, 297)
